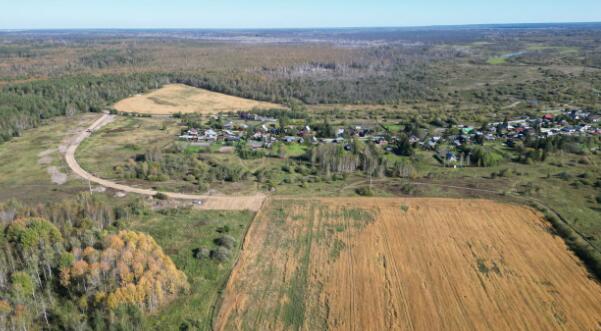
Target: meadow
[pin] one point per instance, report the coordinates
(180, 232)
(32, 168)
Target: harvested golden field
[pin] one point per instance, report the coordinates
(406, 264)
(174, 98)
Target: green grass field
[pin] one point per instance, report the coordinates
(179, 232)
(123, 138)
(295, 150)
(24, 162)
(497, 60)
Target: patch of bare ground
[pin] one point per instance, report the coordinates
(406, 264)
(57, 176)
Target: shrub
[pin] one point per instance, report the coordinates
(201, 253)
(226, 241)
(161, 196)
(364, 191)
(503, 172)
(32, 233)
(220, 254)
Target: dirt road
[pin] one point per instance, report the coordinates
(252, 202)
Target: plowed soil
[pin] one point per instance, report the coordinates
(406, 264)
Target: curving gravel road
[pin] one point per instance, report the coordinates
(209, 202)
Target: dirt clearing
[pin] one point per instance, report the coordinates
(176, 98)
(406, 264)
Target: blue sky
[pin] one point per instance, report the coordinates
(19, 14)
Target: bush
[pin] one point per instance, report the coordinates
(161, 196)
(220, 254)
(226, 241)
(201, 253)
(364, 191)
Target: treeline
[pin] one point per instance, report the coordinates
(538, 149)
(72, 274)
(570, 144)
(388, 89)
(24, 106)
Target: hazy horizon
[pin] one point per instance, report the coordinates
(533, 24)
(271, 14)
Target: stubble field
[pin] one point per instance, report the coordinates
(178, 98)
(406, 264)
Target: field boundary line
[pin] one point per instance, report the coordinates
(219, 301)
(526, 199)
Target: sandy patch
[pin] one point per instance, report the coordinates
(44, 157)
(57, 176)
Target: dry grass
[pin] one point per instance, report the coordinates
(396, 264)
(180, 98)
(250, 202)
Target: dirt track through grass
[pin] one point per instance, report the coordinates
(252, 202)
(406, 264)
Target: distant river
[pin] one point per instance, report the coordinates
(514, 54)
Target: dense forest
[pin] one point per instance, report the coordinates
(25, 105)
(451, 69)
(68, 266)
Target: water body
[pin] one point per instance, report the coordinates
(514, 54)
